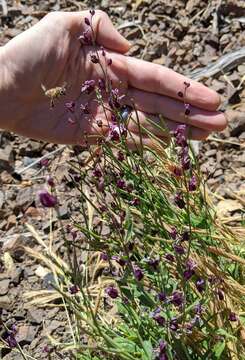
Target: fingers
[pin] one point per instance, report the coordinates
(105, 32)
(161, 127)
(175, 110)
(161, 80)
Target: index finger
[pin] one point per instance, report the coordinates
(161, 80)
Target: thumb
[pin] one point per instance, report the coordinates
(107, 35)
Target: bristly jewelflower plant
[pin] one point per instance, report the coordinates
(162, 278)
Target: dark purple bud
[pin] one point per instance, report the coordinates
(102, 51)
(169, 257)
(154, 263)
(12, 342)
(70, 106)
(85, 109)
(50, 181)
(120, 155)
(130, 246)
(180, 136)
(162, 296)
(121, 184)
(180, 94)
(46, 349)
(138, 273)
(44, 162)
(104, 256)
(200, 285)
(97, 173)
(112, 292)
(179, 201)
(232, 316)
(88, 86)
(159, 319)
(74, 234)
(162, 346)
(47, 200)
(99, 123)
(187, 84)
(198, 309)
(94, 59)
(77, 178)
(163, 357)
(85, 38)
(135, 202)
(179, 249)
(173, 233)
(174, 324)
(185, 236)
(188, 274)
(115, 132)
(193, 183)
(73, 289)
(177, 298)
(187, 109)
(220, 294)
(130, 187)
(92, 12)
(109, 62)
(87, 22)
(101, 84)
(189, 327)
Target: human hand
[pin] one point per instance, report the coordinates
(50, 54)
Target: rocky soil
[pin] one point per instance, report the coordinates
(183, 35)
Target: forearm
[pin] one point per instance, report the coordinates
(10, 107)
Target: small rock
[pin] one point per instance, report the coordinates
(36, 315)
(6, 158)
(26, 334)
(4, 287)
(5, 302)
(25, 198)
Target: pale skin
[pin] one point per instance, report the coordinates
(50, 54)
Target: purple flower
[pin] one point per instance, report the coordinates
(177, 171)
(174, 324)
(92, 12)
(188, 274)
(44, 162)
(50, 181)
(173, 233)
(88, 86)
(179, 201)
(101, 185)
(177, 298)
(185, 159)
(47, 200)
(185, 236)
(191, 264)
(154, 263)
(179, 249)
(97, 173)
(101, 84)
(179, 135)
(162, 296)
(120, 156)
(198, 309)
(200, 285)
(109, 62)
(70, 106)
(138, 273)
(193, 183)
(232, 316)
(162, 346)
(159, 319)
(169, 257)
(104, 256)
(11, 340)
(73, 289)
(121, 184)
(116, 131)
(163, 357)
(187, 84)
(112, 292)
(135, 202)
(94, 59)
(180, 94)
(85, 109)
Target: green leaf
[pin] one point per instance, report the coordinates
(128, 225)
(218, 349)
